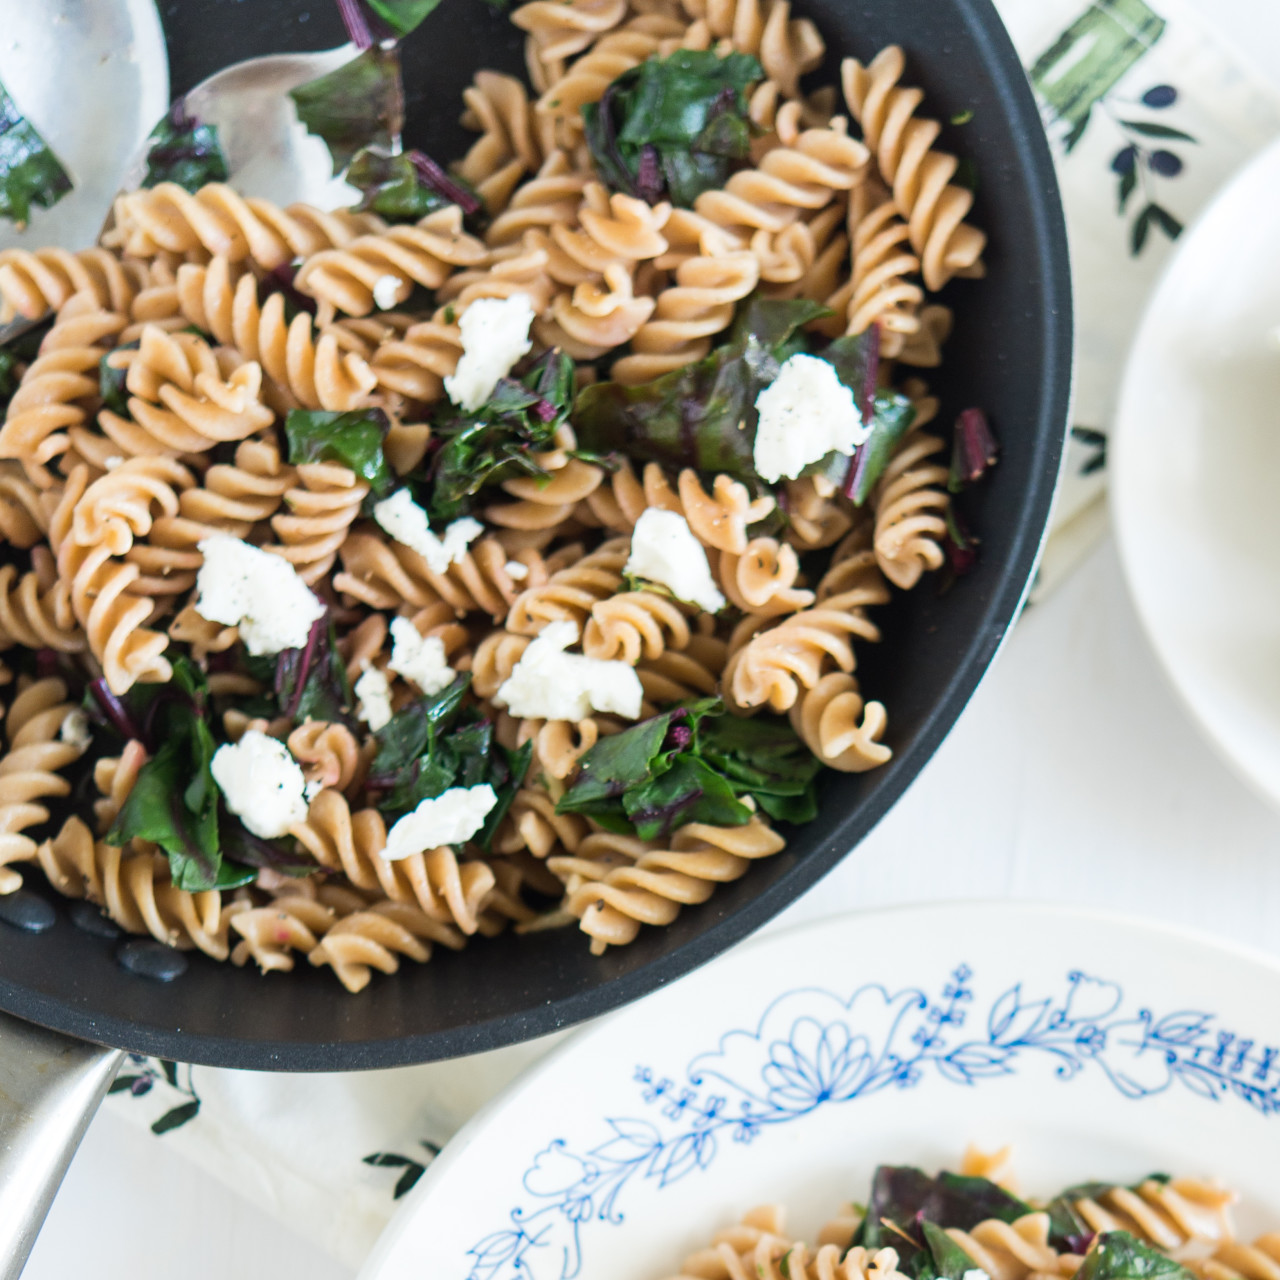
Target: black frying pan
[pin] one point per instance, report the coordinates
(1010, 354)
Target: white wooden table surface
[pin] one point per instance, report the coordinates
(1073, 776)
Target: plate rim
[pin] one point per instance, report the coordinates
(1119, 505)
(441, 1166)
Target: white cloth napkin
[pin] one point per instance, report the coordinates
(1119, 80)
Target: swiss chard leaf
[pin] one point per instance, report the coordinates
(29, 171)
(10, 376)
(247, 851)
(180, 149)
(311, 683)
(892, 414)
(672, 128)
(1116, 1255)
(410, 764)
(353, 439)
(704, 415)
(950, 1262)
(906, 1197)
(403, 16)
(174, 803)
(111, 383)
(361, 104)
(515, 765)
(392, 186)
(691, 765)
(497, 441)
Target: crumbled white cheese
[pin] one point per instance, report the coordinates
(495, 334)
(313, 789)
(516, 570)
(375, 699)
(664, 550)
(452, 817)
(407, 522)
(419, 658)
(975, 1273)
(550, 684)
(805, 414)
(262, 783)
(74, 730)
(242, 586)
(113, 462)
(386, 292)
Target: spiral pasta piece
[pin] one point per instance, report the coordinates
(321, 511)
(35, 283)
(451, 892)
(550, 198)
(763, 579)
(133, 888)
(184, 397)
(329, 753)
(545, 502)
(303, 369)
(29, 770)
(839, 727)
(510, 144)
(557, 30)
(59, 390)
(376, 939)
(911, 503)
(653, 886)
(24, 507)
(1168, 1215)
(920, 176)
(572, 592)
(787, 47)
(346, 278)
(35, 608)
(532, 823)
(632, 625)
(105, 600)
(168, 219)
(114, 777)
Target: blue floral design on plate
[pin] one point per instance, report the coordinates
(813, 1048)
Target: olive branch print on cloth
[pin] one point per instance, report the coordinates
(1076, 78)
(812, 1049)
(140, 1075)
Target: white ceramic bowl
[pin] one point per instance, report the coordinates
(1100, 1047)
(1195, 472)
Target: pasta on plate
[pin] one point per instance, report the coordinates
(975, 1226)
(497, 553)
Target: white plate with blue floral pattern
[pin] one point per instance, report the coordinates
(1100, 1047)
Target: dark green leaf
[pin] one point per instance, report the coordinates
(387, 1160)
(516, 766)
(361, 104)
(170, 1070)
(409, 732)
(892, 414)
(950, 1262)
(703, 415)
(497, 441)
(1149, 130)
(353, 439)
(615, 764)
(243, 853)
(391, 186)
(1128, 181)
(672, 128)
(121, 1083)
(1141, 229)
(29, 171)
(1116, 1255)
(689, 791)
(182, 150)
(111, 385)
(1166, 221)
(403, 16)
(407, 1181)
(177, 1117)
(760, 756)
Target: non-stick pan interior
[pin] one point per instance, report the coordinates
(1010, 354)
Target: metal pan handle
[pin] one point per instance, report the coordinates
(50, 1086)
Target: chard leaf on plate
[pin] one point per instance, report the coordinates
(1116, 1255)
(392, 186)
(180, 149)
(950, 1262)
(361, 104)
(672, 128)
(497, 441)
(704, 415)
(311, 683)
(353, 439)
(29, 171)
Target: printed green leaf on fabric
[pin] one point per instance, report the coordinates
(30, 173)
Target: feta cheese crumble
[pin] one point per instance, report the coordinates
(452, 817)
(517, 571)
(262, 783)
(386, 292)
(375, 699)
(242, 586)
(74, 729)
(664, 550)
(975, 1273)
(419, 658)
(805, 414)
(407, 522)
(495, 334)
(550, 684)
